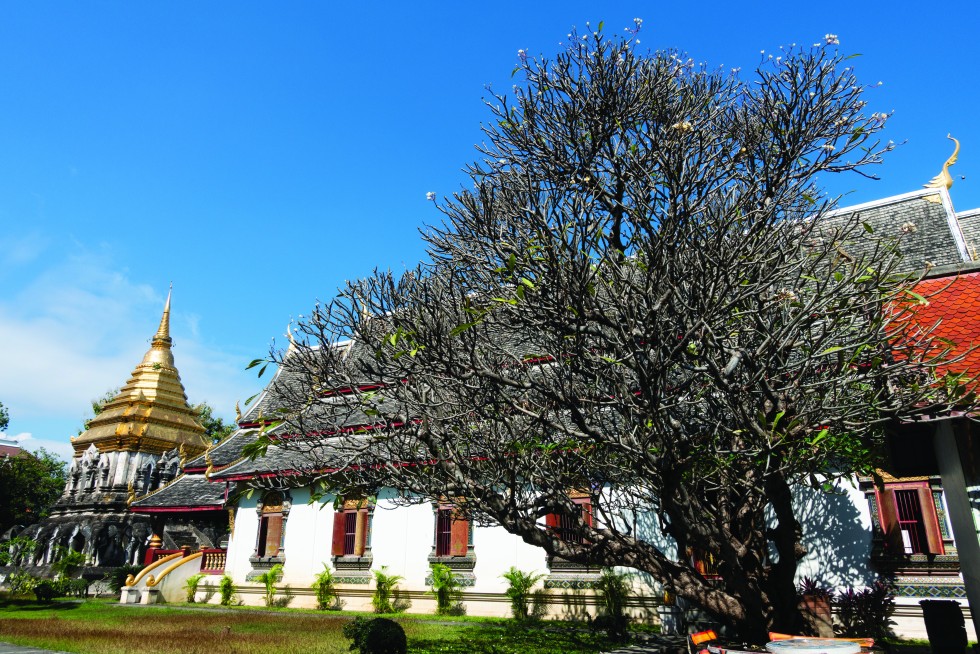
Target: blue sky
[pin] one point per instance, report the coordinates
(259, 154)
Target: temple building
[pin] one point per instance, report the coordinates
(917, 525)
(133, 446)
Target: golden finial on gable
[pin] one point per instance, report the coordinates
(238, 413)
(944, 179)
(183, 455)
(132, 495)
(207, 460)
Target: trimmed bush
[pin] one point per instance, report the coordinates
(519, 590)
(227, 590)
(384, 587)
(46, 590)
(325, 587)
(376, 636)
(191, 587)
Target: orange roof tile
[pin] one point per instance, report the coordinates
(954, 307)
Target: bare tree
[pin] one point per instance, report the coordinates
(641, 300)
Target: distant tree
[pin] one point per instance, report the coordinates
(30, 482)
(214, 428)
(98, 404)
(4, 417)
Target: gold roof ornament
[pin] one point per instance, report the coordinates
(289, 335)
(944, 179)
(132, 494)
(207, 460)
(182, 452)
(150, 413)
(238, 412)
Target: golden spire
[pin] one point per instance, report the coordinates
(150, 413)
(163, 333)
(944, 178)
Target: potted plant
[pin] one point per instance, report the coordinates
(815, 607)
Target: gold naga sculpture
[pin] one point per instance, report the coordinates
(943, 179)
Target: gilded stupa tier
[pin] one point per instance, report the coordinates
(150, 413)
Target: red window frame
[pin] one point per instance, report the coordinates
(908, 518)
(271, 527)
(452, 532)
(351, 529)
(567, 527)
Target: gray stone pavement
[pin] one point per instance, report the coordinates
(7, 648)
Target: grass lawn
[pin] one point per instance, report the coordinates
(99, 627)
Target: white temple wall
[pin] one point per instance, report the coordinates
(496, 551)
(837, 535)
(837, 530)
(401, 538)
(306, 543)
(241, 544)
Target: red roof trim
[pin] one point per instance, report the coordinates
(174, 509)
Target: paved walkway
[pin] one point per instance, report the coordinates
(7, 648)
(653, 644)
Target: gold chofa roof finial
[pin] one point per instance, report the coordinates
(944, 178)
(163, 333)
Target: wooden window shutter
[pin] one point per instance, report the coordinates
(360, 540)
(459, 539)
(552, 521)
(586, 506)
(338, 534)
(263, 534)
(888, 515)
(934, 538)
(273, 534)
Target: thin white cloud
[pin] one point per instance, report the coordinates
(21, 249)
(79, 328)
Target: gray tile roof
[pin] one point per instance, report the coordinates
(188, 490)
(927, 231)
(970, 223)
(228, 450)
(298, 457)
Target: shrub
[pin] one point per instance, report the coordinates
(325, 587)
(67, 562)
(227, 590)
(614, 589)
(21, 582)
(46, 590)
(519, 590)
(384, 587)
(115, 579)
(445, 587)
(866, 613)
(72, 587)
(13, 551)
(270, 578)
(809, 587)
(376, 636)
(191, 586)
